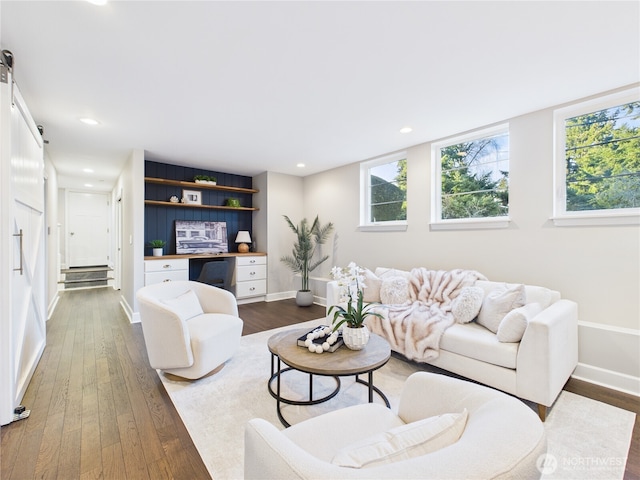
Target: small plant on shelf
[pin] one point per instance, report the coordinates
(205, 179)
(157, 246)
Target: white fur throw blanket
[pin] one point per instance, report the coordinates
(414, 328)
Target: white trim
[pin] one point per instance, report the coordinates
(52, 306)
(561, 217)
(471, 224)
(607, 378)
(128, 311)
(631, 217)
(610, 328)
(384, 227)
(274, 297)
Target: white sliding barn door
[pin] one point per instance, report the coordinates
(22, 268)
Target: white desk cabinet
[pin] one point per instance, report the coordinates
(165, 270)
(251, 276)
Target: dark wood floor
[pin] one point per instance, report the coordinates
(99, 411)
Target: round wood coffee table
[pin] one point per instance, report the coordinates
(343, 362)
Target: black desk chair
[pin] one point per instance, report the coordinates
(216, 274)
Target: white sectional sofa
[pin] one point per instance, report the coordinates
(535, 368)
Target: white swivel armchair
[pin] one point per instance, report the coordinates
(189, 328)
(445, 428)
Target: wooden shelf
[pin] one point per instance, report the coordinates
(191, 205)
(192, 185)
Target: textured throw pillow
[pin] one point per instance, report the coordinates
(515, 322)
(394, 290)
(407, 441)
(186, 305)
(371, 293)
(466, 305)
(498, 302)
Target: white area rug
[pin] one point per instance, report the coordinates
(586, 439)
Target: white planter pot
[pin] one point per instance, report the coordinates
(355, 338)
(304, 298)
(157, 252)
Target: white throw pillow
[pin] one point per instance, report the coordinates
(371, 292)
(402, 443)
(466, 305)
(394, 290)
(498, 302)
(515, 322)
(186, 305)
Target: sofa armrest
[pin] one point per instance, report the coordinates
(548, 353)
(166, 336)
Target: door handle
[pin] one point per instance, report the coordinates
(19, 269)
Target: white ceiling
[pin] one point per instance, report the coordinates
(246, 87)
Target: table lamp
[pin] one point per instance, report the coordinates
(243, 238)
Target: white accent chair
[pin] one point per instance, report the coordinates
(189, 328)
(503, 438)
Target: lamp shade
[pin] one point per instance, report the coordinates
(243, 237)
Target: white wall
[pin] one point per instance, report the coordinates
(51, 235)
(131, 183)
(279, 195)
(598, 267)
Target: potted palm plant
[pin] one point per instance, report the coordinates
(301, 260)
(355, 333)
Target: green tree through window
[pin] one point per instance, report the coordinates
(388, 191)
(602, 154)
(474, 178)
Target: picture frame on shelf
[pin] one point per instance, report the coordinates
(191, 197)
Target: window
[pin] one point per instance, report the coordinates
(597, 156)
(471, 180)
(384, 192)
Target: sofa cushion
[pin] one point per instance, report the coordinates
(498, 302)
(402, 443)
(541, 295)
(474, 341)
(186, 306)
(371, 291)
(394, 290)
(384, 272)
(466, 305)
(515, 322)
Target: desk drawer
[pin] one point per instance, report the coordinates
(251, 289)
(166, 265)
(157, 277)
(253, 272)
(242, 261)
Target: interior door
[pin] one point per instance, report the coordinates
(23, 305)
(88, 231)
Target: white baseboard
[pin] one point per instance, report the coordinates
(274, 297)
(607, 378)
(134, 317)
(609, 356)
(52, 306)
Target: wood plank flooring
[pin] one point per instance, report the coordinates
(99, 411)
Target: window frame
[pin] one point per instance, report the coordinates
(437, 222)
(561, 217)
(365, 195)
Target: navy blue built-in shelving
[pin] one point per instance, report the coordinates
(163, 181)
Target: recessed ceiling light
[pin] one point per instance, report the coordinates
(87, 170)
(89, 121)
(406, 129)
(98, 2)
(88, 185)
(300, 165)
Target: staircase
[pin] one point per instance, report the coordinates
(85, 277)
